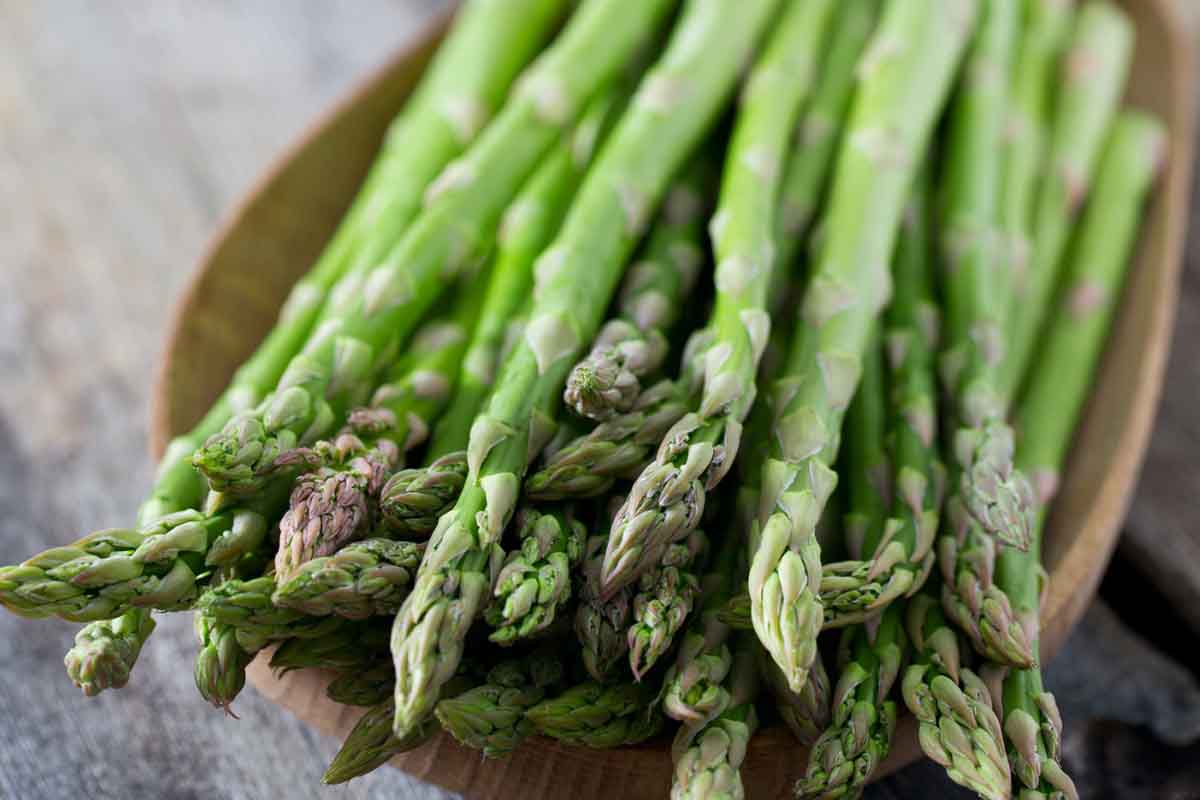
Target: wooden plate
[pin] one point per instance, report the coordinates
(275, 234)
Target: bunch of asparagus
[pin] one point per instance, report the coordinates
(447, 478)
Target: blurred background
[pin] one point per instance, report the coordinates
(127, 132)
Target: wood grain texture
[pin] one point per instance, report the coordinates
(126, 131)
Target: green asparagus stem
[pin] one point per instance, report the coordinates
(412, 500)
(820, 130)
(807, 712)
(601, 624)
(860, 736)
(363, 579)
(1093, 74)
(664, 598)
(708, 758)
(594, 715)
(667, 499)
(957, 723)
(869, 490)
(220, 666)
(619, 448)
(108, 573)
(354, 645)
(984, 484)
(634, 344)
(527, 227)
(370, 316)
(105, 651)
(575, 278)
(1027, 129)
(491, 717)
(1094, 271)
(693, 684)
(897, 563)
(535, 581)
(901, 91)
(335, 500)
(363, 687)
(488, 44)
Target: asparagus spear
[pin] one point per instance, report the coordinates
(334, 501)
(667, 499)
(363, 579)
(463, 206)
(535, 581)
(363, 687)
(904, 80)
(693, 693)
(371, 744)
(526, 228)
(983, 481)
(575, 279)
(601, 624)
(664, 598)
(1094, 271)
(599, 716)
(491, 717)
(869, 490)
(708, 758)
(354, 645)
(897, 563)
(1093, 74)
(1040, 42)
(633, 345)
(245, 604)
(821, 124)
(848, 752)
(470, 75)
(105, 651)
(108, 573)
(412, 499)
(220, 666)
(957, 723)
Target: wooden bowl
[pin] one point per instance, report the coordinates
(276, 233)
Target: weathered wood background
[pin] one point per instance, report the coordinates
(126, 130)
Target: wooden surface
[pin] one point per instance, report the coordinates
(125, 132)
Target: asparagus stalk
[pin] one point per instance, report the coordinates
(336, 502)
(902, 88)
(693, 685)
(957, 723)
(1093, 74)
(412, 499)
(470, 75)
(664, 598)
(220, 666)
(105, 651)
(667, 499)
(246, 605)
(535, 581)
(109, 573)
(860, 736)
(491, 717)
(363, 579)
(599, 716)
(575, 279)
(369, 316)
(869, 489)
(601, 624)
(708, 758)
(984, 483)
(527, 227)
(820, 129)
(1042, 36)
(363, 687)
(371, 744)
(897, 563)
(1094, 271)
(634, 344)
